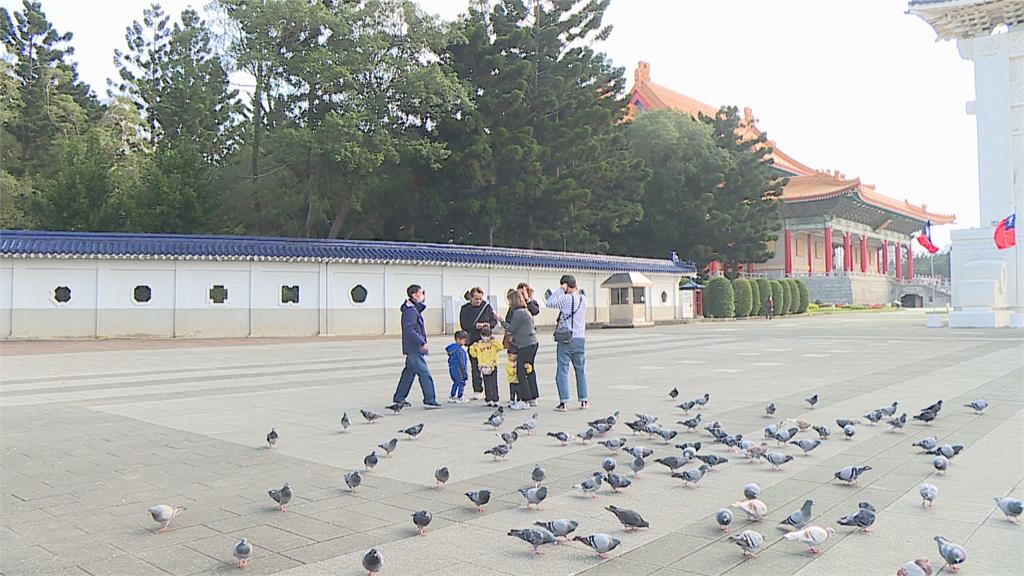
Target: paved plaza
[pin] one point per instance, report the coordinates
(93, 433)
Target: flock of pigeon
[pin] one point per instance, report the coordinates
(680, 465)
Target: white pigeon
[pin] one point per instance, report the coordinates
(754, 508)
(163, 514)
(812, 535)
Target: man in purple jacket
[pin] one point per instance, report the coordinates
(414, 346)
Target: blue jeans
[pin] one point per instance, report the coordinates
(574, 352)
(415, 365)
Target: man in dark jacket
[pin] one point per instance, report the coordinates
(414, 346)
(473, 316)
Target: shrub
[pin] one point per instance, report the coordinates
(787, 297)
(805, 296)
(794, 293)
(742, 297)
(764, 290)
(776, 296)
(719, 299)
(755, 298)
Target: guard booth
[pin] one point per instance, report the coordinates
(691, 304)
(628, 302)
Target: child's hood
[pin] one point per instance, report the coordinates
(453, 348)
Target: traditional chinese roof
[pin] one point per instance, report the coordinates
(953, 19)
(39, 244)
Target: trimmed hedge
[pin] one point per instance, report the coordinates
(742, 297)
(805, 296)
(787, 298)
(776, 297)
(755, 298)
(794, 292)
(764, 290)
(719, 298)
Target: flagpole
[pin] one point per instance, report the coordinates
(932, 261)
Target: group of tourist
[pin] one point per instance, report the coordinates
(475, 353)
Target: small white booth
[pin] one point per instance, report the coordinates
(628, 305)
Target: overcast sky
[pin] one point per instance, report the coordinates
(860, 87)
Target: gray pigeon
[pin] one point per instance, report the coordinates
(783, 436)
(534, 495)
(813, 400)
(667, 435)
(672, 462)
(799, 518)
(538, 475)
(953, 554)
(927, 416)
(948, 450)
(703, 400)
(509, 437)
(529, 425)
(673, 393)
(617, 481)
(806, 445)
(371, 417)
(495, 420)
(711, 460)
(442, 475)
(898, 423)
(631, 519)
(889, 410)
(243, 550)
(373, 562)
(692, 475)
(777, 459)
(389, 447)
(647, 418)
(600, 543)
(413, 431)
(272, 437)
(875, 416)
(919, 567)
(862, 519)
(691, 423)
(591, 485)
(637, 465)
(282, 496)
(849, 474)
(345, 422)
(560, 436)
(638, 451)
(608, 464)
(823, 431)
(940, 463)
(602, 428)
(844, 422)
(396, 407)
(587, 435)
(353, 479)
(370, 460)
(751, 491)
(1012, 507)
(163, 514)
(978, 406)
(849, 431)
(724, 518)
(770, 409)
(535, 537)
(499, 451)
(561, 528)
(928, 492)
(687, 406)
(479, 497)
(421, 519)
(749, 541)
(613, 444)
(927, 443)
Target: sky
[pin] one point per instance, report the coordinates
(859, 87)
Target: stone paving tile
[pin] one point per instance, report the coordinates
(180, 560)
(120, 565)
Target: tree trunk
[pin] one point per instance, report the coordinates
(344, 208)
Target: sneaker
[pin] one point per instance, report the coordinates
(431, 405)
(584, 405)
(532, 403)
(560, 407)
(518, 405)
(451, 400)
(405, 404)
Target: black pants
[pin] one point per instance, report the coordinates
(474, 365)
(490, 382)
(527, 381)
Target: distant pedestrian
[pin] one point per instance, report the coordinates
(769, 308)
(484, 354)
(474, 316)
(571, 340)
(458, 366)
(414, 346)
(524, 338)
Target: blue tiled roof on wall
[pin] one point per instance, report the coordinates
(24, 243)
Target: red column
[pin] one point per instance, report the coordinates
(885, 257)
(828, 250)
(863, 253)
(810, 255)
(910, 262)
(789, 251)
(897, 252)
(847, 252)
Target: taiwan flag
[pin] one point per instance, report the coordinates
(1006, 232)
(925, 238)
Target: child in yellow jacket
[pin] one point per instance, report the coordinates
(486, 352)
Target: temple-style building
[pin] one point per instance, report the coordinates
(850, 242)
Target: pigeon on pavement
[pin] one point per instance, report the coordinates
(373, 562)
(353, 479)
(724, 518)
(370, 460)
(777, 459)
(919, 567)
(389, 447)
(850, 474)
(370, 416)
(631, 519)
(421, 519)
(799, 518)
(538, 475)
(806, 444)
(600, 543)
(673, 393)
(672, 462)
(928, 492)
(753, 508)
(282, 496)
(770, 409)
(940, 463)
(978, 406)
(413, 431)
(535, 537)
(617, 481)
(272, 437)
(898, 423)
(692, 475)
(479, 497)
(442, 475)
(345, 422)
(813, 535)
(927, 443)
(749, 541)
(823, 431)
(751, 491)
(1011, 507)
(591, 485)
(849, 431)
(500, 451)
(862, 519)
(609, 464)
(813, 400)
(613, 444)
(243, 550)
(953, 554)
(163, 514)
(561, 528)
(560, 436)
(637, 465)
(690, 423)
(534, 495)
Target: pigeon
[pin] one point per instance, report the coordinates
(693, 447)
(862, 519)
(875, 416)
(898, 423)
(919, 567)
(691, 424)
(672, 462)
(609, 464)
(613, 444)
(753, 508)
(587, 435)
(770, 409)
(749, 541)
(538, 475)
(783, 436)
(500, 451)
(850, 474)
(479, 497)
(282, 496)
(1011, 507)
(940, 463)
(534, 495)
(777, 459)
(495, 420)
(535, 537)
(631, 519)
(692, 475)
(637, 426)
(687, 406)
(371, 417)
(509, 437)
(849, 431)
(978, 406)
(345, 422)
(560, 436)
(591, 485)
(353, 479)
(751, 491)
(600, 543)
(928, 492)
(673, 393)
(927, 444)
(388, 447)
(529, 425)
(667, 435)
(806, 445)
(611, 420)
(561, 528)
(413, 431)
(442, 475)
(638, 451)
(395, 408)
(163, 514)
(272, 437)
(757, 451)
(647, 418)
(799, 518)
(889, 410)
(370, 461)
(373, 562)
(947, 450)
(812, 400)
(703, 400)
(926, 416)
(812, 535)
(724, 518)
(933, 408)
(617, 481)
(844, 422)
(823, 431)
(711, 460)
(637, 465)
(243, 550)
(953, 554)
(421, 519)
(770, 431)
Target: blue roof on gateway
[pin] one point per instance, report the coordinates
(117, 245)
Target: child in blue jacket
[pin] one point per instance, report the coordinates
(458, 366)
